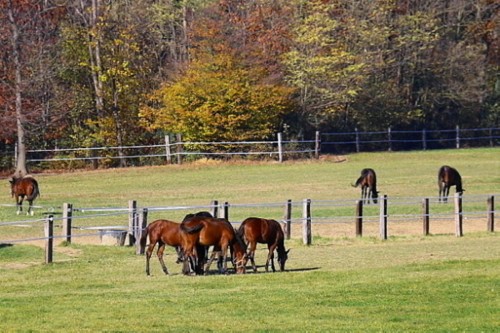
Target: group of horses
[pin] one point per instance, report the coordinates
(193, 237)
(447, 177)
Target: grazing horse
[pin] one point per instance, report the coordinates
(368, 182)
(258, 230)
(24, 187)
(447, 177)
(162, 232)
(207, 231)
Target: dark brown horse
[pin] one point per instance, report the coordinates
(258, 230)
(207, 231)
(162, 232)
(24, 187)
(447, 177)
(368, 182)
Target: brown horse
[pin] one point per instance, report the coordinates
(447, 177)
(162, 232)
(207, 231)
(24, 187)
(258, 230)
(368, 182)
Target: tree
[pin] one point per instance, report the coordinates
(27, 38)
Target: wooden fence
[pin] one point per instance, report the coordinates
(175, 150)
(138, 219)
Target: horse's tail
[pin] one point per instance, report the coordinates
(191, 230)
(36, 190)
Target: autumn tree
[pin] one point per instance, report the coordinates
(27, 36)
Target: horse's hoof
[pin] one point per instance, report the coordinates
(17, 213)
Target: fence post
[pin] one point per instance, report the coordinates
(143, 222)
(287, 218)
(317, 145)
(425, 216)
(306, 222)
(491, 137)
(225, 211)
(215, 208)
(280, 148)
(458, 215)
(458, 137)
(357, 139)
(359, 218)
(383, 217)
(49, 238)
(179, 148)
(389, 137)
(67, 220)
(424, 139)
(491, 213)
(132, 213)
(168, 153)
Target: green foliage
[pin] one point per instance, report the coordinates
(218, 101)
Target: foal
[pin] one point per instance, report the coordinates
(447, 177)
(368, 183)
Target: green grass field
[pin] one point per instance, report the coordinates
(408, 283)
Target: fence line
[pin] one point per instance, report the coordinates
(338, 142)
(138, 219)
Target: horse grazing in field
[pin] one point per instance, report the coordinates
(368, 182)
(258, 230)
(447, 177)
(24, 187)
(162, 232)
(206, 231)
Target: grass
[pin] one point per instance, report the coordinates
(406, 283)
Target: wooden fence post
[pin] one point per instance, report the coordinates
(457, 129)
(424, 139)
(357, 139)
(425, 216)
(389, 138)
(317, 145)
(491, 213)
(359, 218)
(49, 238)
(287, 218)
(215, 208)
(179, 148)
(306, 222)
(67, 220)
(143, 222)
(383, 217)
(168, 152)
(132, 217)
(458, 215)
(225, 211)
(280, 148)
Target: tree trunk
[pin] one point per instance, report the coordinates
(21, 169)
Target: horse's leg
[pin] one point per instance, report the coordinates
(149, 252)
(179, 252)
(19, 204)
(30, 208)
(223, 256)
(159, 253)
(446, 193)
(251, 254)
(212, 256)
(270, 257)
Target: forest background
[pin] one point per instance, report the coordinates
(91, 73)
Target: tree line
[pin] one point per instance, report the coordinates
(87, 73)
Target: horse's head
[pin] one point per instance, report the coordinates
(282, 258)
(12, 185)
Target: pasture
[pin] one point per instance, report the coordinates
(407, 283)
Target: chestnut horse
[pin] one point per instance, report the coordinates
(447, 177)
(24, 187)
(162, 232)
(368, 182)
(258, 230)
(207, 231)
